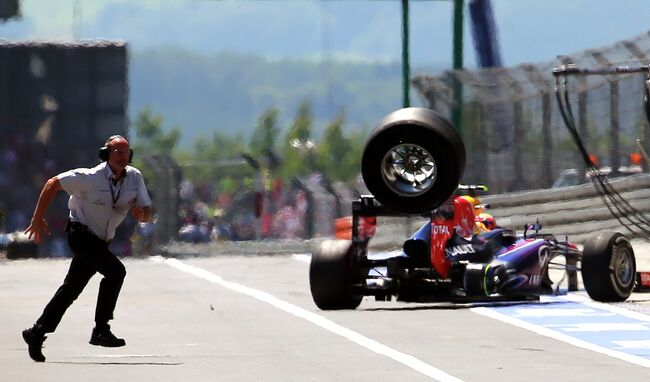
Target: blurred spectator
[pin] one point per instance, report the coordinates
(243, 226)
(220, 230)
(186, 190)
(193, 231)
(144, 237)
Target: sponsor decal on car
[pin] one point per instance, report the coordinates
(461, 249)
(440, 230)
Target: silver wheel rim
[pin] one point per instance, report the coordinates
(409, 170)
(623, 266)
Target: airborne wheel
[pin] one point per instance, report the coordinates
(413, 161)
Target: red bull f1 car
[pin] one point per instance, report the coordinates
(412, 164)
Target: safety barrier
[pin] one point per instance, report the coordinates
(577, 211)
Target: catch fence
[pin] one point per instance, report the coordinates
(513, 130)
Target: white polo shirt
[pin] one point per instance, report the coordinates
(98, 203)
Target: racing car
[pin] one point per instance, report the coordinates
(412, 165)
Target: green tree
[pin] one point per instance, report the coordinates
(333, 149)
(150, 136)
(298, 150)
(266, 133)
(352, 162)
(217, 162)
(151, 139)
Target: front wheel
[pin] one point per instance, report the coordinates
(332, 275)
(608, 267)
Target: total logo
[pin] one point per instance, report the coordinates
(440, 230)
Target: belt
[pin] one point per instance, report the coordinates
(76, 227)
(71, 226)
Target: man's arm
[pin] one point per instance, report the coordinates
(141, 214)
(38, 223)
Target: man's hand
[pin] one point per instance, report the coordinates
(38, 224)
(36, 228)
(141, 214)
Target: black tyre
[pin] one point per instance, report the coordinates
(473, 280)
(413, 160)
(608, 267)
(331, 276)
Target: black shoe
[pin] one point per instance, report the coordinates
(104, 337)
(34, 340)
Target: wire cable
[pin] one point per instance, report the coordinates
(628, 216)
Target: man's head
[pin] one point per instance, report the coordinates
(117, 153)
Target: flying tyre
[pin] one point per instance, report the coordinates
(413, 160)
(332, 275)
(608, 267)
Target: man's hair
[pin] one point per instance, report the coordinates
(112, 137)
(104, 150)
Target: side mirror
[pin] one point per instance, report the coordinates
(532, 227)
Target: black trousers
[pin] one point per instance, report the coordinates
(91, 255)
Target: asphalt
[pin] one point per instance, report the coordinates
(249, 318)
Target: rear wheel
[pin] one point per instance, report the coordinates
(332, 275)
(608, 267)
(413, 160)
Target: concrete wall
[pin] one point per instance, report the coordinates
(578, 211)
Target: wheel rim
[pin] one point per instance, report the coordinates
(623, 266)
(409, 170)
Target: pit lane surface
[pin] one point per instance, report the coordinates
(243, 318)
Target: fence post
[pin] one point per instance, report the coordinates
(518, 137)
(165, 196)
(547, 144)
(614, 148)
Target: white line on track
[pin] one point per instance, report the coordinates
(610, 308)
(370, 344)
(123, 356)
(541, 330)
(303, 258)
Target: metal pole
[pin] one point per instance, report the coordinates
(406, 70)
(458, 34)
(457, 105)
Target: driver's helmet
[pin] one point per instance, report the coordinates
(486, 222)
(477, 206)
(464, 217)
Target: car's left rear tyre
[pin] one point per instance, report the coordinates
(332, 276)
(608, 267)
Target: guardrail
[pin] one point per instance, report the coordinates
(577, 211)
